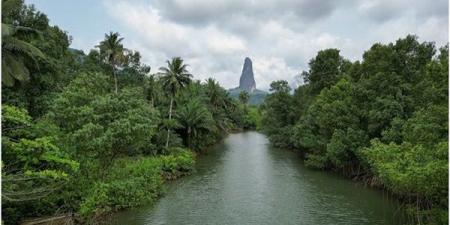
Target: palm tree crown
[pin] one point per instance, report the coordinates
(112, 50)
(17, 54)
(175, 76)
(113, 53)
(194, 117)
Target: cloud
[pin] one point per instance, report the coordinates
(279, 36)
(386, 10)
(205, 12)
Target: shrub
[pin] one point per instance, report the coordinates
(134, 181)
(180, 160)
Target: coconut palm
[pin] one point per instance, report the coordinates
(173, 78)
(195, 118)
(18, 55)
(113, 53)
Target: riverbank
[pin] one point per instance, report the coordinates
(130, 182)
(243, 180)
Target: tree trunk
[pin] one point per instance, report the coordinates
(115, 80)
(170, 117)
(189, 137)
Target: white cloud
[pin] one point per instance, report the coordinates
(279, 36)
(268, 69)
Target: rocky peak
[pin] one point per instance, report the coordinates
(247, 81)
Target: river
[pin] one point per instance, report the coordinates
(243, 180)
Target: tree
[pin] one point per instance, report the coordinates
(174, 77)
(280, 86)
(33, 166)
(220, 102)
(214, 92)
(277, 117)
(152, 89)
(101, 126)
(325, 69)
(18, 55)
(113, 53)
(195, 118)
(243, 97)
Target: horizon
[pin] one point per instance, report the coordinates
(215, 39)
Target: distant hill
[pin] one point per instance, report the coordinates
(256, 96)
(247, 83)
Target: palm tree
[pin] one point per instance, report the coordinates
(243, 97)
(113, 53)
(174, 77)
(214, 92)
(220, 101)
(18, 55)
(152, 90)
(195, 118)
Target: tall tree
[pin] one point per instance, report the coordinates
(174, 77)
(113, 53)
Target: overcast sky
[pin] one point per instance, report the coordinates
(214, 37)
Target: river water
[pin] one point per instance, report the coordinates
(243, 180)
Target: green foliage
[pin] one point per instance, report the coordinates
(243, 97)
(325, 69)
(180, 160)
(256, 97)
(252, 119)
(221, 105)
(26, 156)
(33, 166)
(409, 168)
(17, 55)
(417, 171)
(103, 109)
(130, 182)
(113, 53)
(101, 125)
(384, 118)
(280, 86)
(134, 181)
(277, 114)
(175, 76)
(196, 121)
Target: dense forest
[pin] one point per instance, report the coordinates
(90, 134)
(382, 120)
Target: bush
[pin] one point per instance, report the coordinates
(414, 171)
(134, 181)
(180, 160)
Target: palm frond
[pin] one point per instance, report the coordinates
(22, 48)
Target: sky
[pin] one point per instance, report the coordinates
(214, 37)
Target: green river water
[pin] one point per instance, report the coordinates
(243, 180)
